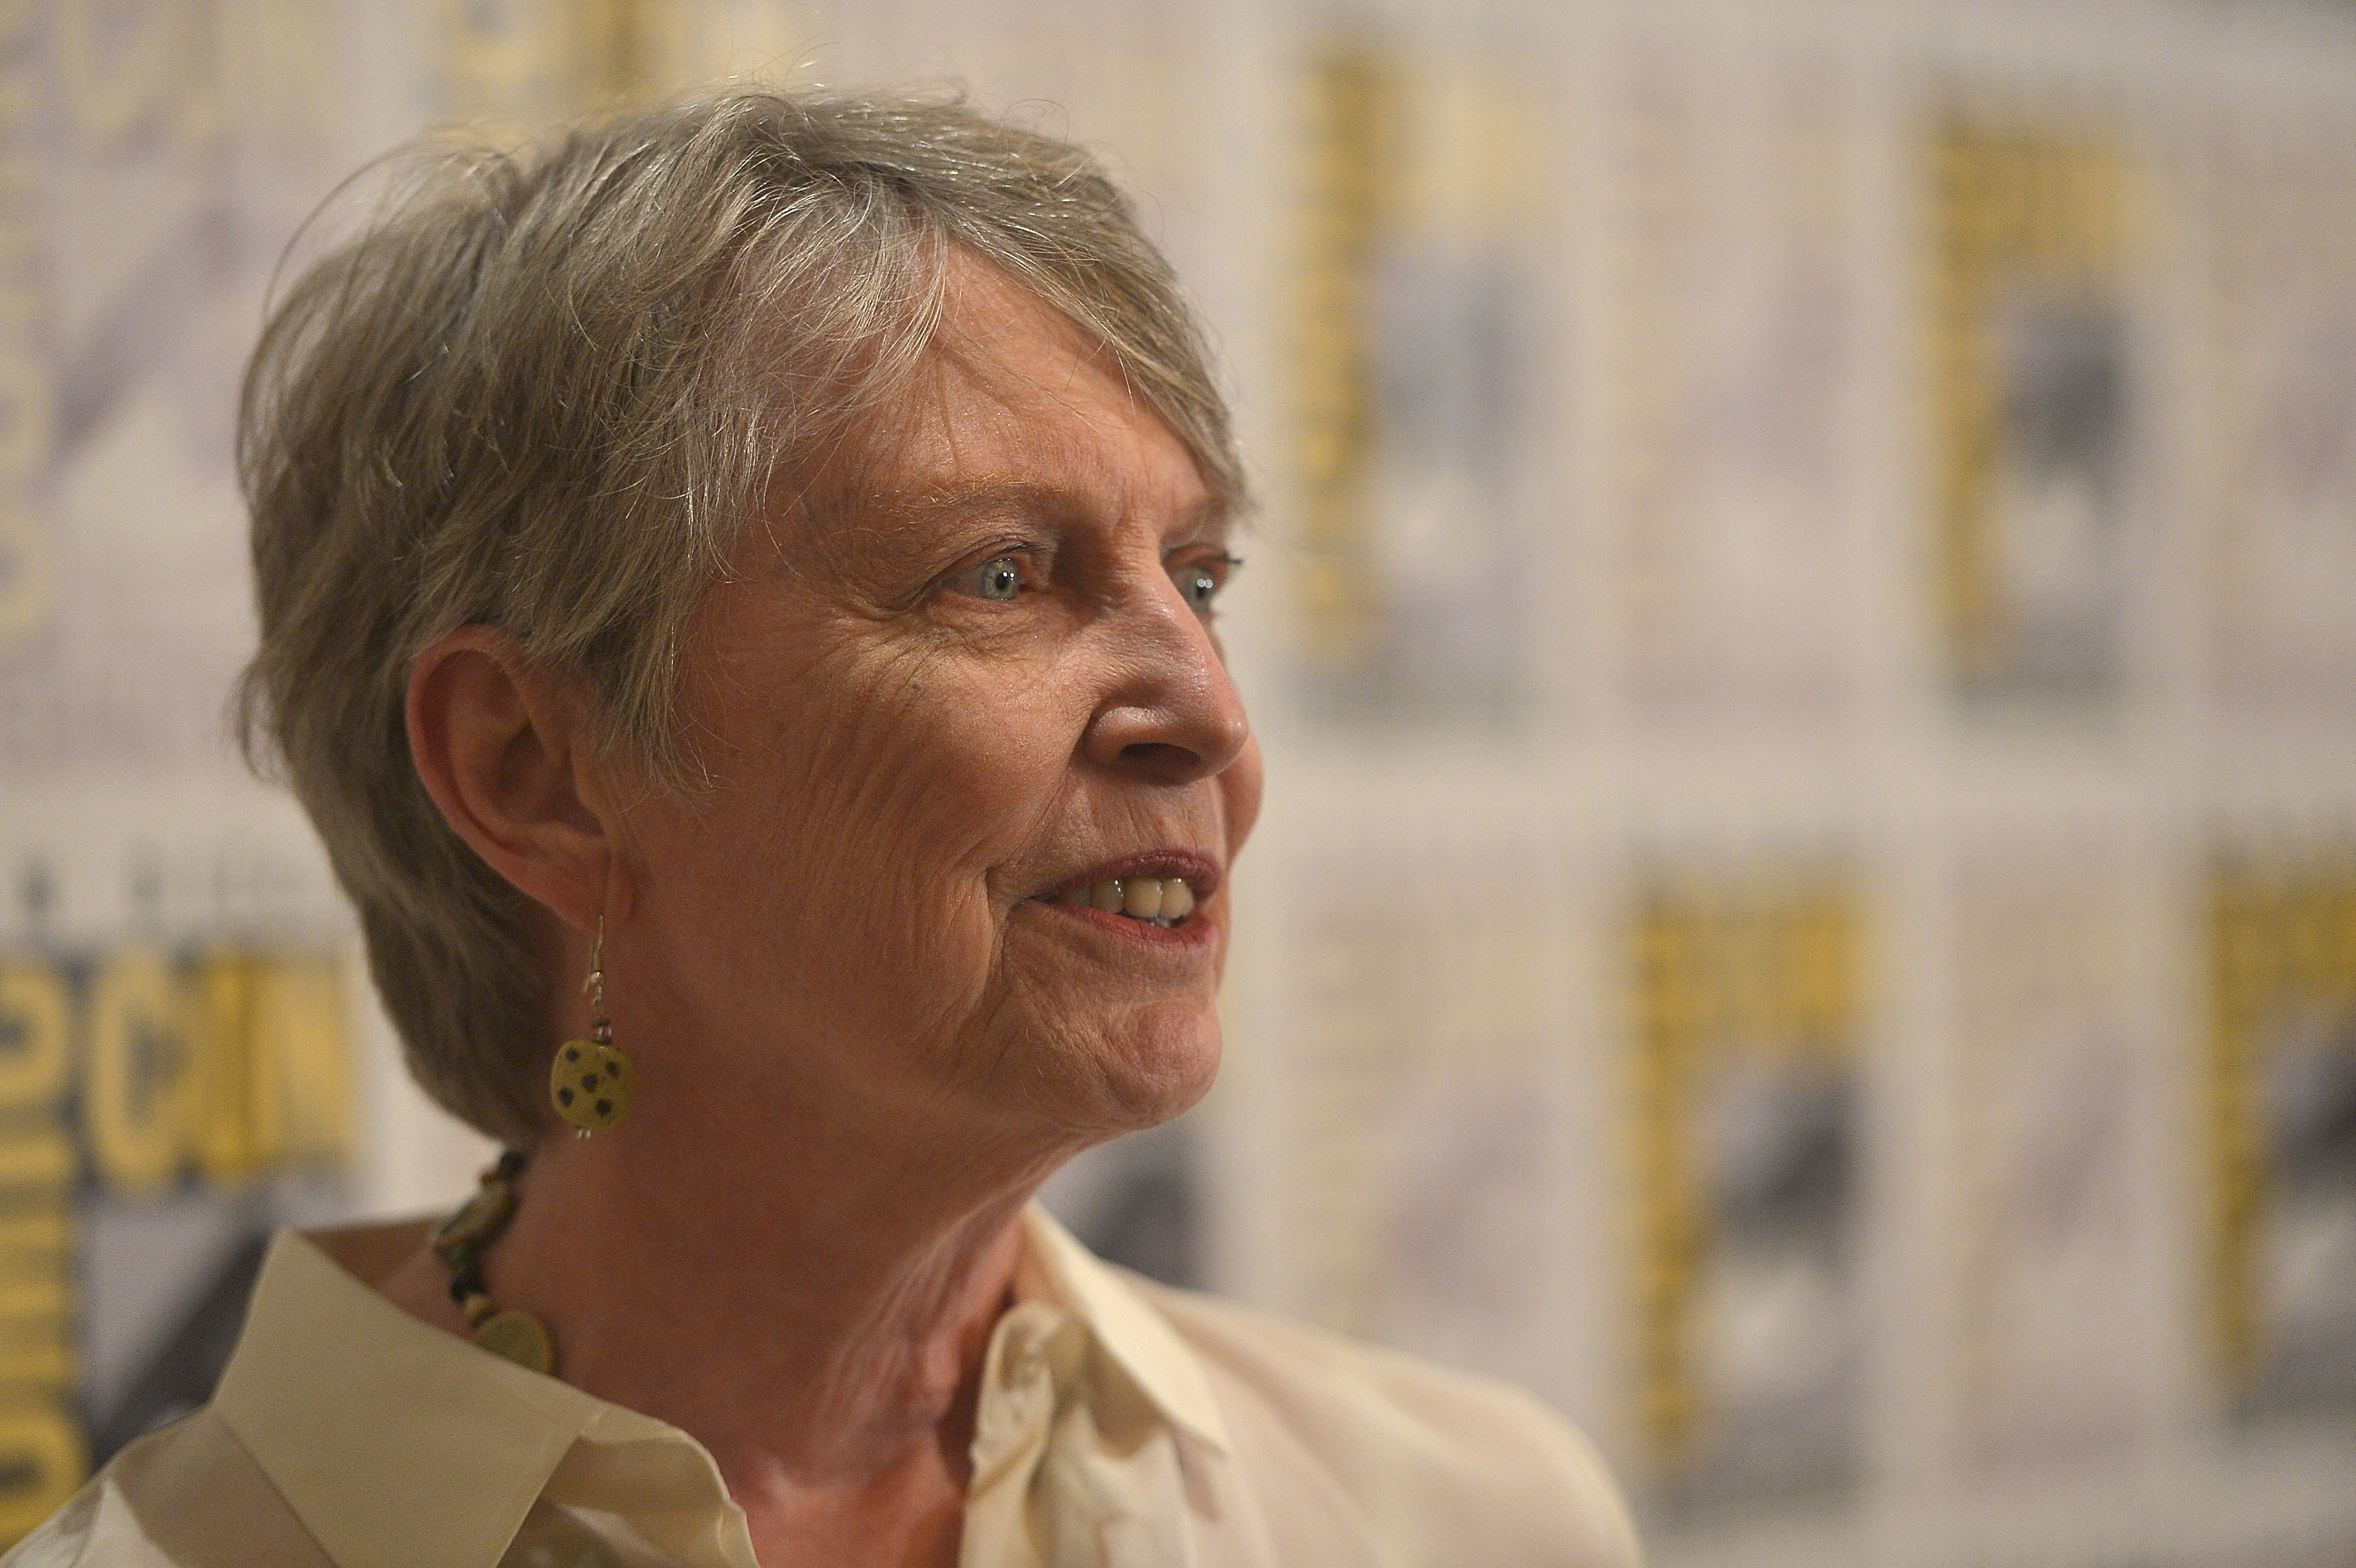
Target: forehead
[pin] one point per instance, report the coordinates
(1015, 400)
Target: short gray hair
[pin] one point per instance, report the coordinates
(542, 391)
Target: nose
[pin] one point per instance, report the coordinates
(1170, 714)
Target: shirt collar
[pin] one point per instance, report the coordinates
(1138, 1339)
(396, 1442)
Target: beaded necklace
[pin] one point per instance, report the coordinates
(459, 1242)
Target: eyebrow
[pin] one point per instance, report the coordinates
(911, 506)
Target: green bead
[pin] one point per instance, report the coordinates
(479, 1219)
(520, 1338)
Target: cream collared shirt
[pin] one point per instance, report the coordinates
(1122, 1425)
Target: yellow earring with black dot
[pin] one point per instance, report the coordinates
(594, 1080)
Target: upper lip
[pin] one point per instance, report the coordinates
(1199, 872)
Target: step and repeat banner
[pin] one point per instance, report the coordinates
(1804, 620)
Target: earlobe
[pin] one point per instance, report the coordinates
(500, 744)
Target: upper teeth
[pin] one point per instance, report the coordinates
(1165, 900)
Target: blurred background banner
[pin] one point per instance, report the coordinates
(1419, 342)
(2054, 1073)
(1730, 337)
(1803, 619)
(1745, 1117)
(2031, 395)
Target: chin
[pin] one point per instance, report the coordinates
(1157, 1068)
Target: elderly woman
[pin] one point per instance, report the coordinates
(737, 598)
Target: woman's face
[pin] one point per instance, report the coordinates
(940, 714)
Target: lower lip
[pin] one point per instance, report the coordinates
(1197, 930)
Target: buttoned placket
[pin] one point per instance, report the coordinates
(1048, 1490)
(1011, 1432)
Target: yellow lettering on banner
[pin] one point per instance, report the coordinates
(42, 1457)
(35, 1247)
(136, 1103)
(36, 1046)
(36, 1296)
(42, 1162)
(272, 1065)
(31, 1267)
(39, 1231)
(38, 1355)
(239, 1128)
(36, 1299)
(300, 1047)
(42, 1461)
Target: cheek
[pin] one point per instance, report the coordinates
(879, 757)
(958, 778)
(864, 814)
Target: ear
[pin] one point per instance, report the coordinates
(502, 745)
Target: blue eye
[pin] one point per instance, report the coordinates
(1199, 581)
(998, 578)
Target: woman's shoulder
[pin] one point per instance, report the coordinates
(1442, 1465)
(186, 1497)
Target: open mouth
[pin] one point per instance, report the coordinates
(1165, 901)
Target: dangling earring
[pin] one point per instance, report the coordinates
(593, 1080)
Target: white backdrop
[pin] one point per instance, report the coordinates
(1804, 629)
